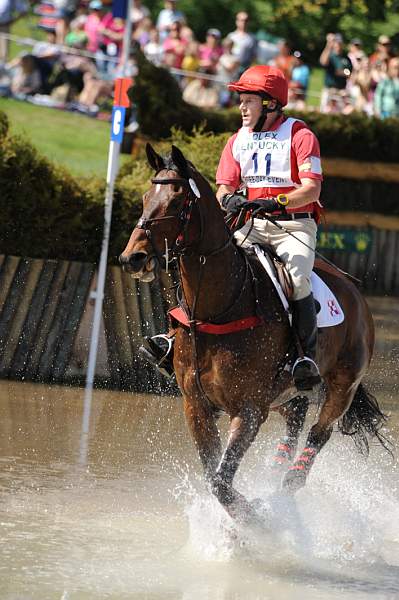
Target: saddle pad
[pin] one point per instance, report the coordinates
(330, 313)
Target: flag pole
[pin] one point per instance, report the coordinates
(118, 118)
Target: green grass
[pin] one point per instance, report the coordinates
(74, 141)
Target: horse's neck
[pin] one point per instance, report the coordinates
(214, 274)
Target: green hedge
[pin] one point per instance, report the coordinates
(161, 108)
(47, 213)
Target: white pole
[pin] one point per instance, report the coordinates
(112, 170)
(113, 159)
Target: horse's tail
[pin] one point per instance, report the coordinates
(362, 419)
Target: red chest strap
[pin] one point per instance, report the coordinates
(179, 315)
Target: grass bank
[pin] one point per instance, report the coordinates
(71, 140)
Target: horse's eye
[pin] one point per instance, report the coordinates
(176, 188)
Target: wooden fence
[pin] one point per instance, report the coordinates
(46, 312)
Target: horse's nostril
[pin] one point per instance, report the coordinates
(138, 259)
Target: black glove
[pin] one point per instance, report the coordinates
(233, 203)
(267, 205)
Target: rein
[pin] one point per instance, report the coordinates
(179, 248)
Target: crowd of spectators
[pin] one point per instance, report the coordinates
(78, 62)
(355, 81)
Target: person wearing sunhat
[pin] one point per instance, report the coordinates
(92, 24)
(277, 160)
(210, 52)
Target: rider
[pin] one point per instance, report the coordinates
(278, 159)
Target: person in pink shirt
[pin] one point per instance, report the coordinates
(211, 51)
(92, 25)
(174, 46)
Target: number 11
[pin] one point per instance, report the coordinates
(268, 159)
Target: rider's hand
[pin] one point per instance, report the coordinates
(233, 203)
(268, 205)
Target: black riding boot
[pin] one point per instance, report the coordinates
(305, 371)
(158, 351)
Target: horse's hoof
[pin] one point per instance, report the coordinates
(293, 481)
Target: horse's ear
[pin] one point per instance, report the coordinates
(155, 160)
(180, 161)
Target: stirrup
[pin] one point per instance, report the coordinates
(158, 356)
(305, 373)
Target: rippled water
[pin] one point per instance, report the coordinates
(138, 523)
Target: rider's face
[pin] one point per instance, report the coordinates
(250, 108)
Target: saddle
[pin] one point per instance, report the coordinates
(328, 309)
(280, 271)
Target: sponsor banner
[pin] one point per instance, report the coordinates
(344, 239)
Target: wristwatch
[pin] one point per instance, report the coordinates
(282, 199)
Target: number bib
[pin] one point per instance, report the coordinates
(265, 156)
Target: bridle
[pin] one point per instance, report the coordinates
(180, 246)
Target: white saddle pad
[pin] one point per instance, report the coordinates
(330, 313)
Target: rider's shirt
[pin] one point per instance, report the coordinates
(271, 162)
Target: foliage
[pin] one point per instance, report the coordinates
(4, 125)
(45, 212)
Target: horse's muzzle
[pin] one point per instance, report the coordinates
(140, 265)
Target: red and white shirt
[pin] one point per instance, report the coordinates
(271, 162)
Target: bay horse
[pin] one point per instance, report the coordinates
(241, 372)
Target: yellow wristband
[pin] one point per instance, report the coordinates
(282, 199)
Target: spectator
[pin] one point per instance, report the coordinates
(360, 87)
(211, 51)
(227, 70)
(191, 60)
(383, 53)
(386, 99)
(244, 43)
(10, 11)
(77, 37)
(93, 23)
(47, 55)
(66, 10)
(167, 17)
(138, 13)
(267, 47)
(111, 30)
(338, 68)
(26, 79)
(378, 62)
(153, 49)
(356, 54)
(201, 92)
(298, 85)
(284, 59)
(174, 46)
(142, 31)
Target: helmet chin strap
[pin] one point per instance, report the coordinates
(263, 115)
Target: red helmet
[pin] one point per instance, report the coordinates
(263, 78)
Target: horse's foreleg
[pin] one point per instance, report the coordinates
(202, 424)
(243, 430)
(294, 413)
(340, 394)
